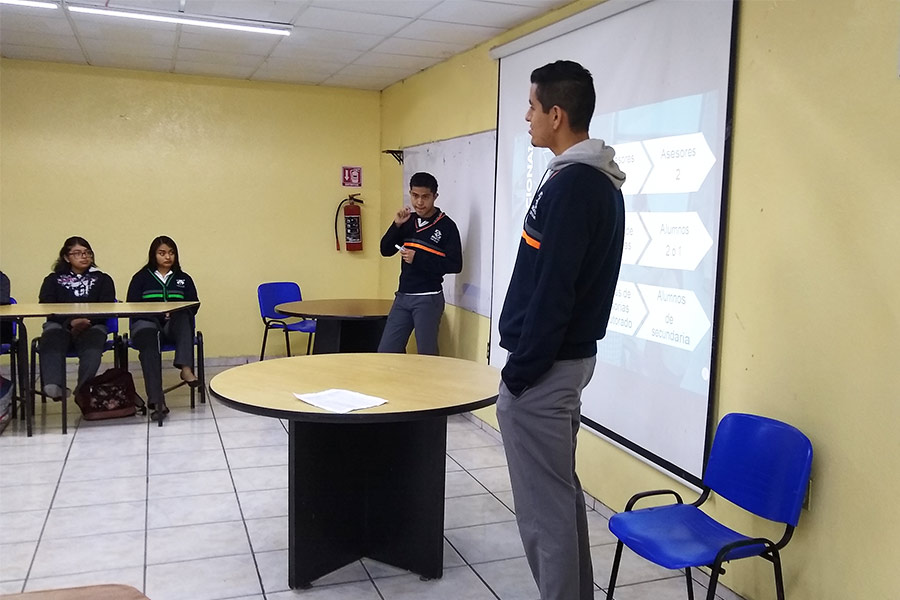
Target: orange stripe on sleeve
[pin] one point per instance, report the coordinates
(531, 241)
(425, 248)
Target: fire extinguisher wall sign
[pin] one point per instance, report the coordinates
(352, 223)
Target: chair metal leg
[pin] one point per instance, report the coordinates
(308, 342)
(287, 340)
(690, 583)
(714, 572)
(201, 370)
(262, 353)
(779, 578)
(615, 571)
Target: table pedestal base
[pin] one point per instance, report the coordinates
(367, 489)
(350, 335)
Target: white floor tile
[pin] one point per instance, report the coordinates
(29, 473)
(26, 497)
(183, 462)
(90, 469)
(460, 582)
(204, 579)
(16, 561)
(467, 511)
(362, 590)
(189, 542)
(190, 484)
(260, 478)
(509, 578)
(479, 458)
(133, 576)
(461, 483)
(99, 492)
(106, 518)
(264, 503)
(259, 456)
(88, 553)
(192, 510)
(21, 526)
(268, 534)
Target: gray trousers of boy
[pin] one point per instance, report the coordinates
(147, 336)
(539, 428)
(409, 312)
(57, 340)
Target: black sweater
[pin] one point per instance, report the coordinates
(561, 291)
(438, 251)
(145, 286)
(90, 286)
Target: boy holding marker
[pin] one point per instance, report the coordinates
(429, 246)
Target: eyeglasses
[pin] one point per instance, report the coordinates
(81, 253)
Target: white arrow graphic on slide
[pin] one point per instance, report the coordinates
(676, 318)
(628, 311)
(632, 159)
(636, 239)
(678, 240)
(680, 164)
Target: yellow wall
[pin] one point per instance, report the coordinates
(244, 176)
(810, 322)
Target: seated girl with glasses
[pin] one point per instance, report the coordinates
(162, 280)
(75, 278)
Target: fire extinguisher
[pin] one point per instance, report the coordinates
(352, 224)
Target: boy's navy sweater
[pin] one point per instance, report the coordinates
(145, 286)
(91, 286)
(438, 251)
(561, 292)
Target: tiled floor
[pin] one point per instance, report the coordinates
(197, 510)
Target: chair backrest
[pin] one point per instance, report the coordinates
(760, 464)
(274, 293)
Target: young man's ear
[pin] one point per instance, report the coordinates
(556, 114)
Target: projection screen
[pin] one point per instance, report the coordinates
(662, 73)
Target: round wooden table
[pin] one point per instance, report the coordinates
(369, 482)
(342, 324)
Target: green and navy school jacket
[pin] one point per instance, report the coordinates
(438, 251)
(146, 286)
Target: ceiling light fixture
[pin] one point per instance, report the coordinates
(182, 19)
(30, 3)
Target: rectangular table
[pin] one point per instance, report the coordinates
(20, 312)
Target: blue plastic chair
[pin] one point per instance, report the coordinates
(271, 295)
(757, 463)
(115, 344)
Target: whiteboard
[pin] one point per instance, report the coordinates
(464, 169)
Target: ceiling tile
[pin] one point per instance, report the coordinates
(37, 21)
(99, 48)
(420, 48)
(480, 12)
(41, 40)
(399, 61)
(437, 31)
(258, 10)
(316, 52)
(397, 8)
(128, 61)
(43, 54)
(97, 27)
(217, 58)
(213, 70)
(342, 20)
(199, 38)
(321, 37)
(322, 67)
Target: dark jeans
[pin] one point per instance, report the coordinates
(57, 340)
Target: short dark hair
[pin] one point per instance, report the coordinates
(568, 85)
(154, 246)
(62, 265)
(425, 180)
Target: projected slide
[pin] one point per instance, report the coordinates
(661, 74)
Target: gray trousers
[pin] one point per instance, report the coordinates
(411, 312)
(539, 430)
(147, 336)
(57, 340)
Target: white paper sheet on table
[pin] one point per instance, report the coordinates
(340, 401)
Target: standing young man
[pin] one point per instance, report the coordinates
(430, 248)
(556, 308)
